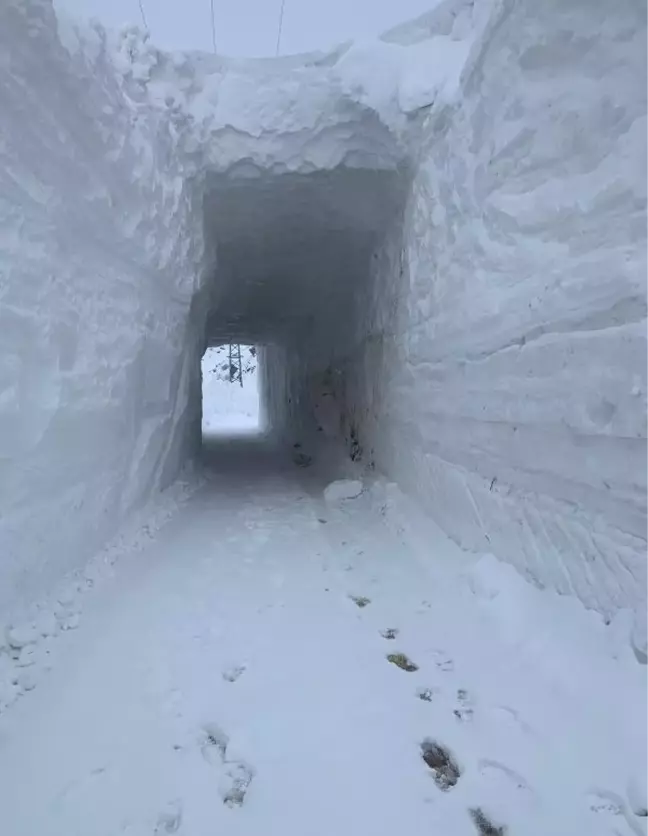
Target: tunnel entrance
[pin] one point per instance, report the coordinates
(298, 272)
(230, 391)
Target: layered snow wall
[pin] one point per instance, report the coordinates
(512, 381)
(100, 258)
(438, 239)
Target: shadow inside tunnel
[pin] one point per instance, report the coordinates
(244, 458)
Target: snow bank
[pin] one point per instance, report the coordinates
(100, 258)
(507, 391)
(437, 240)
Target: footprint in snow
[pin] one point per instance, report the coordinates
(484, 826)
(512, 718)
(464, 711)
(502, 775)
(236, 775)
(402, 661)
(442, 661)
(169, 820)
(214, 744)
(233, 673)
(425, 694)
(235, 782)
(500, 781)
(440, 760)
(615, 810)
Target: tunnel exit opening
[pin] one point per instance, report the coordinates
(230, 391)
(298, 273)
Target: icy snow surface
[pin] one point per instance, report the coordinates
(234, 676)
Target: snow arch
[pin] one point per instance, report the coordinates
(451, 220)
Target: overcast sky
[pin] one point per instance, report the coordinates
(249, 27)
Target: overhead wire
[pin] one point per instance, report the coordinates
(140, 3)
(213, 24)
(281, 17)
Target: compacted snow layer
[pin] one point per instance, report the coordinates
(437, 238)
(273, 661)
(100, 258)
(508, 392)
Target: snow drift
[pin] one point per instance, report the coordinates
(438, 239)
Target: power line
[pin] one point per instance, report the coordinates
(281, 17)
(235, 364)
(141, 8)
(213, 24)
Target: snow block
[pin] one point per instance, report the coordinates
(343, 489)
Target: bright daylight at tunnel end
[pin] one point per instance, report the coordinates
(323, 428)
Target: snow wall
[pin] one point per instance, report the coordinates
(511, 383)
(438, 239)
(101, 257)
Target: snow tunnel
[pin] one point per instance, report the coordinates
(294, 276)
(442, 262)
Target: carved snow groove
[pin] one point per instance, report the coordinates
(637, 309)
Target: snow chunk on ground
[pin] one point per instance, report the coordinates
(432, 71)
(343, 489)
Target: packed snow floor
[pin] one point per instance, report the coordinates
(273, 662)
